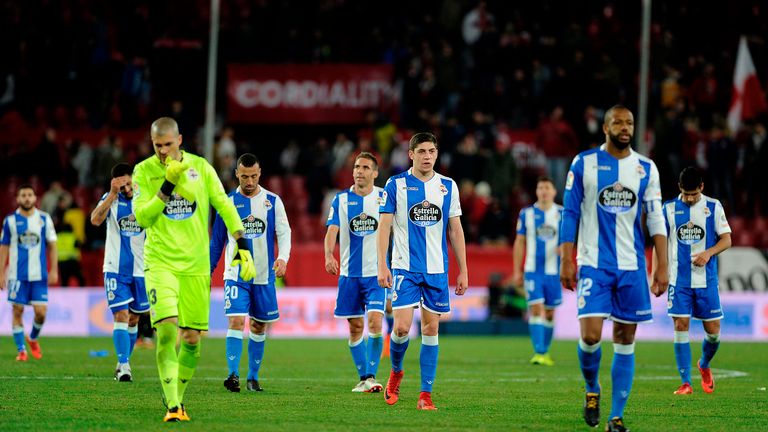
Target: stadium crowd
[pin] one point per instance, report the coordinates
(512, 91)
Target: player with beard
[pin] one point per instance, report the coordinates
(606, 191)
(28, 234)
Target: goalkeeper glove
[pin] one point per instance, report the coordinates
(244, 259)
(174, 169)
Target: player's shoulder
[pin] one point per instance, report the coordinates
(396, 177)
(671, 201)
(44, 215)
(711, 201)
(644, 159)
(558, 207)
(526, 209)
(269, 194)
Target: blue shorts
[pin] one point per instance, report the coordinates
(357, 295)
(700, 303)
(545, 289)
(257, 301)
(27, 292)
(621, 295)
(425, 289)
(126, 292)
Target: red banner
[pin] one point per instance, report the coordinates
(340, 93)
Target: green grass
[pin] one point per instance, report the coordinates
(483, 383)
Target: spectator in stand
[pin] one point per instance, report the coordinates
(108, 154)
(466, 163)
(51, 198)
(289, 158)
(760, 167)
(226, 157)
(46, 158)
(495, 226)
(340, 151)
(69, 256)
(559, 143)
(501, 172)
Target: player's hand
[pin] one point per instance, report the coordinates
(116, 184)
(385, 278)
(462, 282)
(3, 281)
(53, 277)
(517, 278)
(244, 259)
(660, 281)
(700, 259)
(331, 265)
(279, 267)
(568, 274)
(174, 169)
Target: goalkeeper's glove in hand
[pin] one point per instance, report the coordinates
(244, 259)
(174, 169)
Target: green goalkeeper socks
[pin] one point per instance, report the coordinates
(188, 357)
(168, 362)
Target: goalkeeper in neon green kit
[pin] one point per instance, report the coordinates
(173, 191)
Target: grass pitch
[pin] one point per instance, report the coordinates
(483, 383)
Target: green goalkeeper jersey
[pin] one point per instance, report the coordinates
(177, 230)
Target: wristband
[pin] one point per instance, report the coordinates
(167, 188)
(242, 243)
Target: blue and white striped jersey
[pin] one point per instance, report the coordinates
(691, 230)
(358, 220)
(27, 239)
(124, 248)
(541, 230)
(421, 212)
(603, 197)
(264, 218)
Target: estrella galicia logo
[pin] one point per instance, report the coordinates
(690, 233)
(28, 240)
(363, 225)
(546, 232)
(425, 214)
(254, 227)
(128, 226)
(616, 198)
(178, 208)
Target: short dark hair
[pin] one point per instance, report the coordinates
(609, 112)
(23, 186)
(369, 156)
(690, 179)
(121, 169)
(247, 160)
(546, 179)
(422, 137)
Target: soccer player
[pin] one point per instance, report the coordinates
(606, 191)
(421, 205)
(537, 237)
(354, 218)
(173, 190)
(697, 230)
(123, 265)
(28, 234)
(263, 215)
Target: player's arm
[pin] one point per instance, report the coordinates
(658, 231)
(283, 232)
(329, 244)
(53, 251)
(382, 244)
(574, 195)
(218, 241)
(459, 245)
(100, 213)
(723, 230)
(3, 260)
(147, 205)
(518, 250)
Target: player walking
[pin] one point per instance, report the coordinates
(606, 191)
(263, 215)
(697, 231)
(123, 265)
(420, 205)
(173, 190)
(537, 237)
(354, 218)
(28, 236)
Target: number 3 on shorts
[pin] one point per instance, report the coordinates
(153, 296)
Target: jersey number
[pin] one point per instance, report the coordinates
(398, 282)
(153, 296)
(583, 287)
(230, 292)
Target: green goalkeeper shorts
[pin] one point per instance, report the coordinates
(185, 297)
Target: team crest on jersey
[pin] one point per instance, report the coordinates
(193, 175)
(690, 233)
(28, 240)
(268, 204)
(425, 214)
(641, 171)
(128, 226)
(707, 213)
(363, 225)
(616, 198)
(178, 208)
(443, 189)
(546, 232)
(254, 227)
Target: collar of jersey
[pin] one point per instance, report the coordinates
(434, 175)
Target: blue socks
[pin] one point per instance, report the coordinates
(375, 345)
(234, 348)
(709, 348)
(397, 347)
(622, 375)
(18, 338)
(35, 330)
(549, 329)
(428, 361)
(255, 354)
(536, 328)
(133, 334)
(589, 359)
(683, 355)
(357, 348)
(122, 341)
(390, 322)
